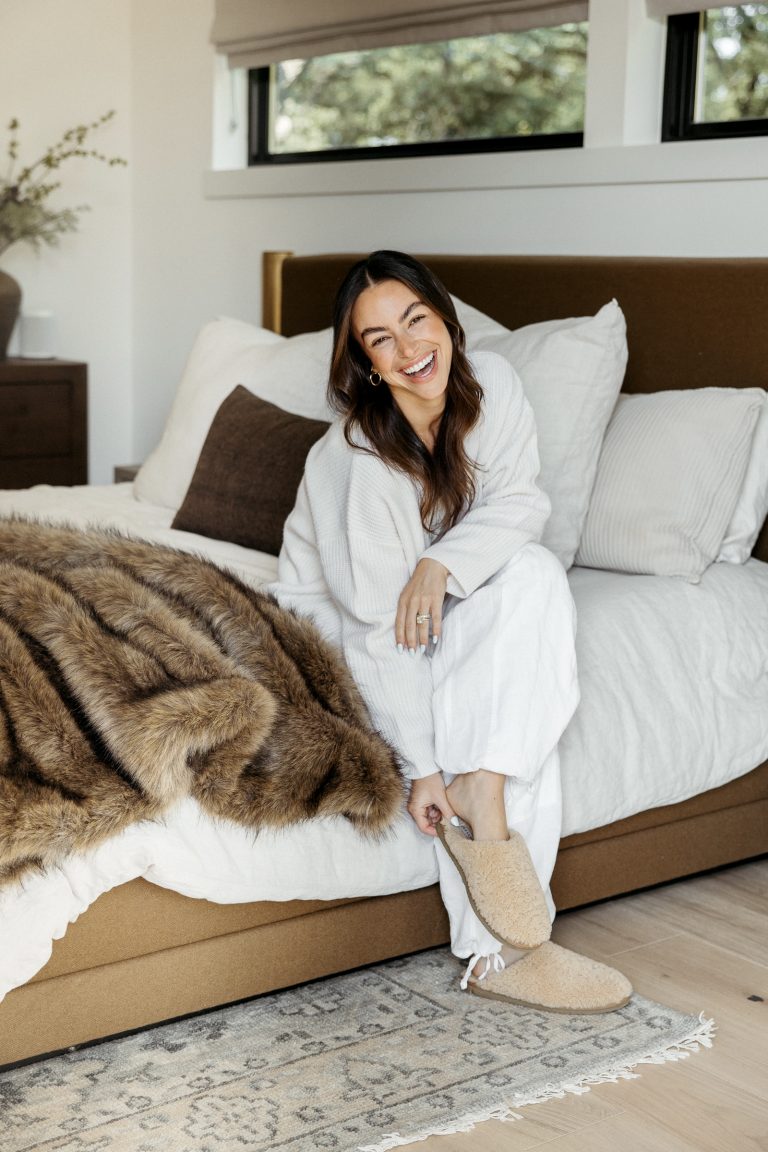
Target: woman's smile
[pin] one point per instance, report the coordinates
(423, 368)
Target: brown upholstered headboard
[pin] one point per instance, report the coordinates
(691, 323)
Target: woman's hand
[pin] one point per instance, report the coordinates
(423, 595)
(428, 802)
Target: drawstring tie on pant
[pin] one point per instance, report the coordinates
(495, 961)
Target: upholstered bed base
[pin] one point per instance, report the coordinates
(142, 954)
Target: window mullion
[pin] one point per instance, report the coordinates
(258, 114)
(680, 76)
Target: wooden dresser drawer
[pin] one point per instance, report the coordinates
(28, 470)
(35, 420)
(43, 423)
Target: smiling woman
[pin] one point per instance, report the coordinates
(416, 533)
(391, 312)
(410, 349)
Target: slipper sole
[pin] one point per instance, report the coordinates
(473, 990)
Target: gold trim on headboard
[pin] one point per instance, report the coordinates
(272, 289)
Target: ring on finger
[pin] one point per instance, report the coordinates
(423, 617)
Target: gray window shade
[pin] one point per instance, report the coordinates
(660, 9)
(253, 33)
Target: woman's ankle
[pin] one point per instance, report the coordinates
(478, 798)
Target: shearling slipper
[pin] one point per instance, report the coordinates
(556, 980)
(502, 886)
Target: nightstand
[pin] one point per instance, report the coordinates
(123, 472)
(43, 422)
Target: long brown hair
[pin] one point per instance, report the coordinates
(445, 475)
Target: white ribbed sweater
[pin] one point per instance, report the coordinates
(355, 536)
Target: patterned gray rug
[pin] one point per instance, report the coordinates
(373, 1059)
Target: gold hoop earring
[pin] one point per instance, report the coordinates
(371, 375)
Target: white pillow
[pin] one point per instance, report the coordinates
(291, 373)
(752, 504)
(572, 371)
(670, 473)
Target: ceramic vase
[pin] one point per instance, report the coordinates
(10, 303)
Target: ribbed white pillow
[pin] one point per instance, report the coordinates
(571, 371)
(670, 472)
(752, 505)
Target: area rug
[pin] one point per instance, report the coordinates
(369, 1060)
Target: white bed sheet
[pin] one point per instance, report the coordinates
(674, 682)
(674, 689)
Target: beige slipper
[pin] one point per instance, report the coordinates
(553, 979)
(502, 886)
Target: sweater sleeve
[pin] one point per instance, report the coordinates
(344, 561)
(367, 564)
(301, 582)
(511, 510)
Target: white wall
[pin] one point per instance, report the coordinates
(197, 238)
(62, 64)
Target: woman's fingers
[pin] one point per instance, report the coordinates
(435, 623)
(401, 616)
(424, 823)
(428, 803)
(419, 615)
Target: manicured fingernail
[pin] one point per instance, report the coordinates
(400, 649)
(412, 651)
(423, 649)
(455, 821)
(435, 639)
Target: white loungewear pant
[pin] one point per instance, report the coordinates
(505, 688)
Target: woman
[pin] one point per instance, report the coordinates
(414, 546)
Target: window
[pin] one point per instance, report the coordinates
(475, 94)
(716, 81)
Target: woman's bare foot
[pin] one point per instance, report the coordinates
(478, 798)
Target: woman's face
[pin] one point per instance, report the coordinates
(407, 343)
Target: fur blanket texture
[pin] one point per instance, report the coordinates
(132, 675)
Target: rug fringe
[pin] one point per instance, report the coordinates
(701, 1037)
(464, 1124)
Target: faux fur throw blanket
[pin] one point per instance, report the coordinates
(132, 675)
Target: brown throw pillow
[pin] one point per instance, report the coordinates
(248, 473)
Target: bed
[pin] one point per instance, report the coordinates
(153, 939)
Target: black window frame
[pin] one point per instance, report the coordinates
(679, 100)
(258, 138)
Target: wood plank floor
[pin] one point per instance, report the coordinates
(696, 945)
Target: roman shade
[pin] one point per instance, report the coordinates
(660, 9)
(254, 33)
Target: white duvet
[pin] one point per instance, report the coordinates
(674, 681)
